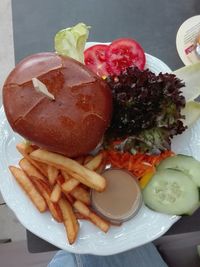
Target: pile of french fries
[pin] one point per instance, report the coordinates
(61, 185)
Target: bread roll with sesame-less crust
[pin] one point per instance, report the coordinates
(74, 122)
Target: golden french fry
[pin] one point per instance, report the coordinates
(87, 159)
(56, 193)
(25, 148)
(84, 175)
(101, 168)
(79, 216)
(85, 187)
(82, 208)
(95, 162)
(30, 170)
(69, 198)
(60, 180)
(70, 221)
(45, 190)
(29, 188)
(69, 185)
(52, 174)
(99, 222)
(81, 194)
(42, 167)
(25, 151)
(65, 175)
(94, 218)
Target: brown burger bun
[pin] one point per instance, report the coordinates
(74, 123)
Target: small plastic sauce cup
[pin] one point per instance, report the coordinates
(121, 199)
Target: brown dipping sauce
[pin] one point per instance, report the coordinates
(121, 199)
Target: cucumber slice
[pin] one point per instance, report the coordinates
(188, 165)
(171, 192)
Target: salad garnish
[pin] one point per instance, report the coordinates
(112, 59)
(147, 110)
(71, 41)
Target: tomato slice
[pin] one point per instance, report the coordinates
(123, 53)
(95, 59)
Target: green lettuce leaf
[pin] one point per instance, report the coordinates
(71, 41)
(146, 109)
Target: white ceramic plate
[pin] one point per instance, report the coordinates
(145, 227)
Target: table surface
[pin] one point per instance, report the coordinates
(152, 23)
(7, 46)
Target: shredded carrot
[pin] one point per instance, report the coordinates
(138, 164)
